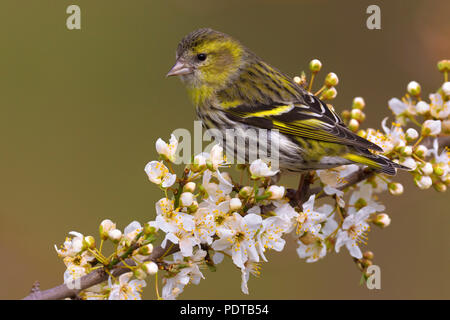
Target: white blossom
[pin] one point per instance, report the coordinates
(125, 289)
(178, 226)
(362, 198)
(216, 156)
(442, 159)
(438, 108)
(115, 235)
(287, 213)
(150, 267)
(398, 107)
(259, 169)
(413, 88)
(424, 182)
(131, 231)
(71, 246)
(250, 267)
(238, 235)
(167, 150)
(309, 220)
(446, 88)
(105, 226)
(427, 168)
(314, 247)
(235, 204)
(409, 162)
(189, 273)
(422, 107)
(186, 199)
(394, 135)
(382, 220)
(269, 236)
(412, 134)
(158, 173)
(431, 127)
(353, 232)
(217, 192)
(335, 178)
(276, 192)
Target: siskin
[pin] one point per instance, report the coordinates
(232, 88)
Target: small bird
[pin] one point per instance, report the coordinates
(232, 88)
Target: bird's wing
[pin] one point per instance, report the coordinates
(309, 119)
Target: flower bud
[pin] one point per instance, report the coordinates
(346, 115)
(440, 186)
(315, 66)
(105, 226)
(193, 207)
(140, 274)
(297, 80)
(331, 80)
(395, 188)
(353, 125)
(438, 170)
(146, 250)
(444, 65)
(276, 192)
(199, 163)
(411, 134)
(413, 88)
(235, 204)
(446, 88)
(410, 163)
(446, 179)
(368, 255)
(189, 187)
(329, 94)
(421, 151)
(422, 107)
(89, 242)
(358, 103)
(358, 115)
(366, 263)
(149, 229)
(167, 151)
(186, 199)
(362, 133)
(427, 169)
(423, 182)
(245, 192)
(382, 220)
(150, 267)
(431, 127)
(406, 151)
(78, 243)
(115, 235)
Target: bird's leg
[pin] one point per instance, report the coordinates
(274, 179)
(303, 188)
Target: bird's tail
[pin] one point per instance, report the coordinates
(377, 162)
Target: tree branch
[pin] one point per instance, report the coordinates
(95, 277)
(99, 275)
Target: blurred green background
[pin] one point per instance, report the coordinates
(81, 111)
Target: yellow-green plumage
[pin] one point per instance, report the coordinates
(233, 88)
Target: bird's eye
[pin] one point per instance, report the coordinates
(201, 56)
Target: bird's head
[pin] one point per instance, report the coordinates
(207, 58)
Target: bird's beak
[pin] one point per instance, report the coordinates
(179, 68)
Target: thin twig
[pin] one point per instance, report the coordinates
(95, 277)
